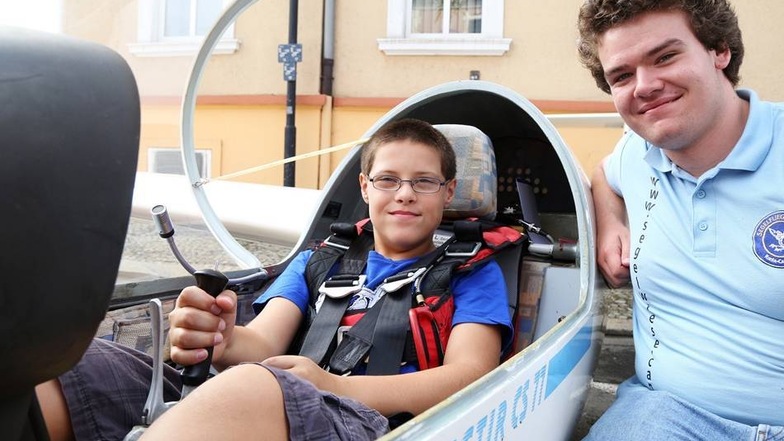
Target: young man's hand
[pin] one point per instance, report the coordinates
(612, 254)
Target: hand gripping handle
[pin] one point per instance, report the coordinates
(213, 282)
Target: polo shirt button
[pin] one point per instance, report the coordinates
(703, 226)
(701, 194)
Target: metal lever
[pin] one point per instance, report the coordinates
(154, 407)
(166, 230)
(213, 283)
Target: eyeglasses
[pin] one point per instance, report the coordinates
(420, 185)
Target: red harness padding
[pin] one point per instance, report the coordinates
(431, 324)
(495, 239)
(431, 320)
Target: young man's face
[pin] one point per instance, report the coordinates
(404, 220)
(663, 81)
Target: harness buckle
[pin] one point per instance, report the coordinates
(394, 283)
(461, 249)
(338, 287)
(332, 241)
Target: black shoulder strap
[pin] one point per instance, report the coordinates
(326, 256)
(466, 243)
(321, 332)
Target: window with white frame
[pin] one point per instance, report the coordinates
(445, 27)
(169, 161)
(178, 27)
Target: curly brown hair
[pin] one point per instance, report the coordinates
(713, 21)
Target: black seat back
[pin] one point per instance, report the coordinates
(69, 138)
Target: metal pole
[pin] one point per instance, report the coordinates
(290, 139)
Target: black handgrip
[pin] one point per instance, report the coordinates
(213, 282)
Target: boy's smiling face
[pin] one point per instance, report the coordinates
(404, 220)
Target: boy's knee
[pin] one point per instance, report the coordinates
(244, 385)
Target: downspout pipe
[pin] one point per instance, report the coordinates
(328, 48)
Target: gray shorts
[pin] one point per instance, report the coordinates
(107, 389)
(317, 415)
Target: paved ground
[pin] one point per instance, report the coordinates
(147, 254)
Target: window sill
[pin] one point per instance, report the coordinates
(465, 47)
(175, 49)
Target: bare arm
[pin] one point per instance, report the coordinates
(473, 350)
(270, 333)
(611, 229)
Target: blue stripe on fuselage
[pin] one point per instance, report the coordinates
(567, 358)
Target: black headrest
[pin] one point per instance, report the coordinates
(69, 139)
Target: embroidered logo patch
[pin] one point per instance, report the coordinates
(769, 240)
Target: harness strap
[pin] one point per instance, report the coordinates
(383, 330)
(439, 278)
(356, 342)
(465, 245)
(390, 332)
(318, 340)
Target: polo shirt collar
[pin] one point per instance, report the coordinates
(756, 140)
(757, 137)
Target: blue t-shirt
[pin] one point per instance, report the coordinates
(707, 268)
(479, 294)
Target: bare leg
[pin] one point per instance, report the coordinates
(54, 410)
(244, 402)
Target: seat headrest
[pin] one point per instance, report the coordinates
(69, 125)
(475, 194)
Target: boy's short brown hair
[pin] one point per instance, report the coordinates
(410, 130)
(713, 22)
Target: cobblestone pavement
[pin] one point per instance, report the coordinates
(618, 311)
(148, 256)
(618, 304)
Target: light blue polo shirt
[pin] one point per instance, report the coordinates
(707, 267)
